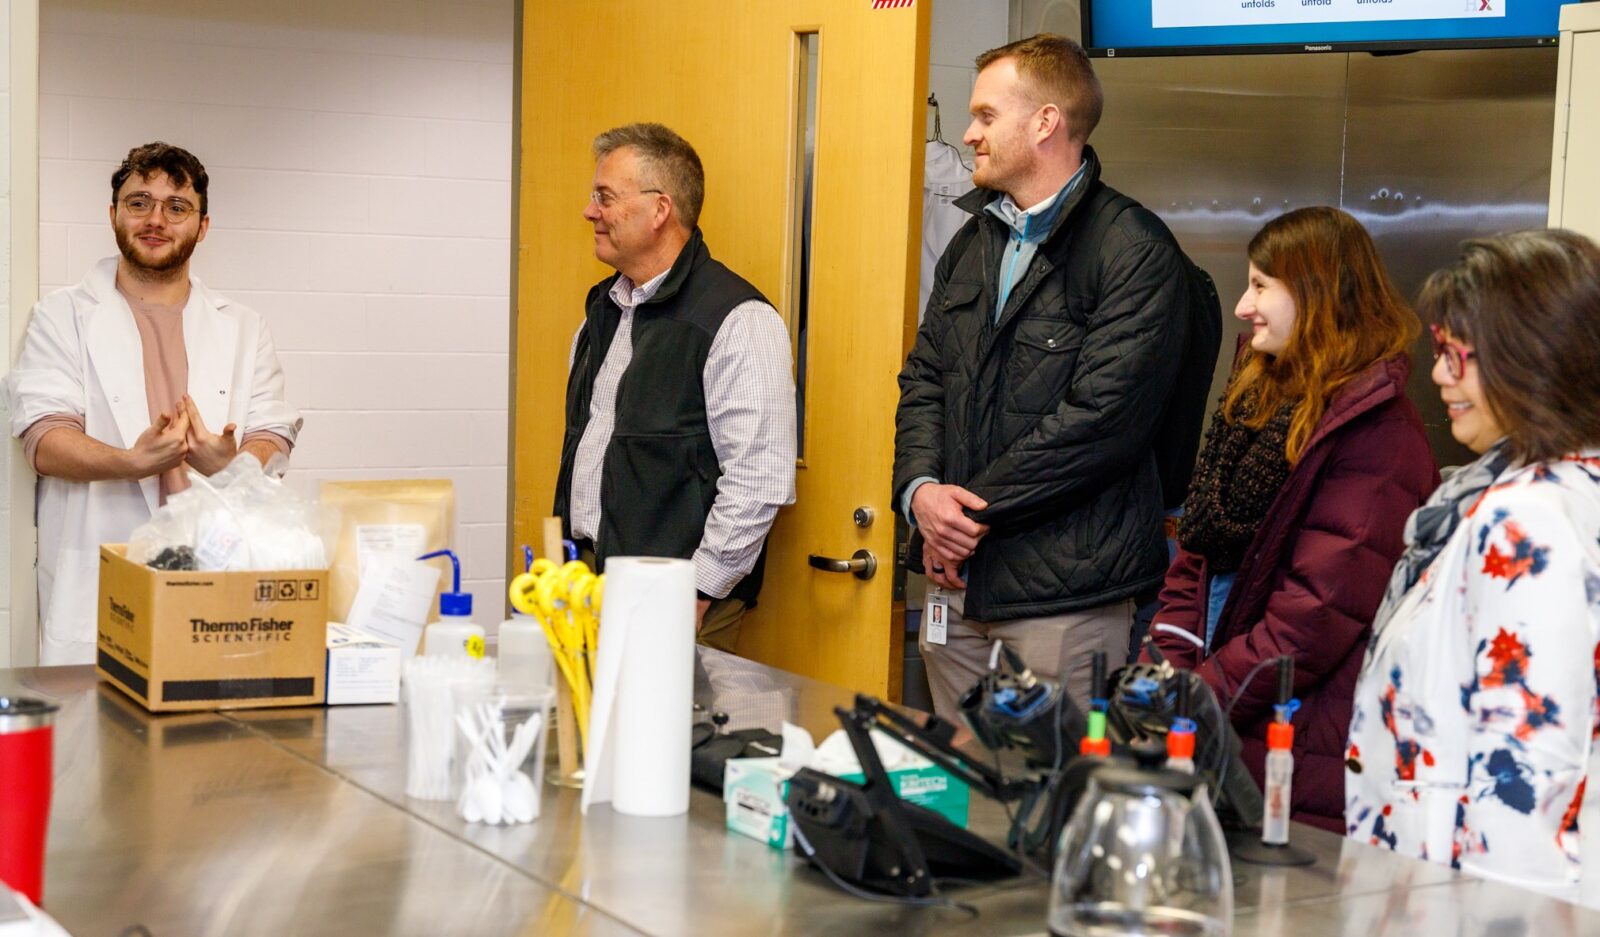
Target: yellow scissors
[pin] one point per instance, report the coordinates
(565, 600)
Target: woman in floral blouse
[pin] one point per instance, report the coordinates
(1473, 733)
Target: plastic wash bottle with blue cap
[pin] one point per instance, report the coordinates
(454, 634)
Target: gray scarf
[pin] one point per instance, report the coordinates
(1431, 526)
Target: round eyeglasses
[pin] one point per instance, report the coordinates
(139, 205)
(1454, 353)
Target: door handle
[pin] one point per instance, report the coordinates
(862, 563)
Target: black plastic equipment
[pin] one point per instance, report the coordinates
(867, 836)
(1145, 700)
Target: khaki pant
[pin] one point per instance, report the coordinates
(719, 628)
(1055, 647)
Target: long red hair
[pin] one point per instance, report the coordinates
(1348, 315)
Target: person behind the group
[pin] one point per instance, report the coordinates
(128, 380)
(1313, 460)
(1473, 735)
(680, 411)
(1026, 432)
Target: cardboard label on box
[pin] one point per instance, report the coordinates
(211, 640)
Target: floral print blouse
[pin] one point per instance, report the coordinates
(1472, 738)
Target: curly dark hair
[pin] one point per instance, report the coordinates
(179, 164)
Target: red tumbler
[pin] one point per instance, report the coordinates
(26, 747)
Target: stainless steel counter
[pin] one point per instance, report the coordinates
(296, 822)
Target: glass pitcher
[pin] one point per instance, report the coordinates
(1142, 855)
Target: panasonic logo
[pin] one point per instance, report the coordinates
(1319, 48)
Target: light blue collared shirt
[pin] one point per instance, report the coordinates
(1028, 230)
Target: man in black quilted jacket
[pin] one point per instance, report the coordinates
(1030, 403)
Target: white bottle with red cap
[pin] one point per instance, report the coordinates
(1280, 779)
(1279, 789)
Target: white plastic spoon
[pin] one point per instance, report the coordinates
(488, 798)
(522, 803)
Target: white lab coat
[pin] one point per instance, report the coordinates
(82, 354)
(944, 179)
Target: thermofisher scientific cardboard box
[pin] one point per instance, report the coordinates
(211, 640)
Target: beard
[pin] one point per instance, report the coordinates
(162, 267)
(996, 170)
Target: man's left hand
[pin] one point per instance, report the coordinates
(209, 453)
(942, 569)
(700, 606)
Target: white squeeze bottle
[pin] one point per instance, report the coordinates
(454, 634)
(1278, 791)
(525, 659)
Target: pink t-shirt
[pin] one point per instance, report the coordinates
(166, 380)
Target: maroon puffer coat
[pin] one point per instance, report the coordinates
(1311, 581)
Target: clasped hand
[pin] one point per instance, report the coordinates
(949, 536)
(181, 436)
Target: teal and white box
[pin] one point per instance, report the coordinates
(928, 785)
(753, 791)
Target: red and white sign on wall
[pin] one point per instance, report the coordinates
(891, 4)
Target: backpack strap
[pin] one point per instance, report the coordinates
(1102, 207)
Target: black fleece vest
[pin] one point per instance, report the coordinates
(659, 477)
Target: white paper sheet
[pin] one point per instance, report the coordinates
(396, 541)
(394, 601)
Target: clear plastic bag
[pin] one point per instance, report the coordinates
(241, 518)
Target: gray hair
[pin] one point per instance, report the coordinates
(671, 163)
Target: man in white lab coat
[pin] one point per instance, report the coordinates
(130, 379)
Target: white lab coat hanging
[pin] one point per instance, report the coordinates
(82, 354)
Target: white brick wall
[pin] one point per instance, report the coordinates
(959, 31)
(360, 162)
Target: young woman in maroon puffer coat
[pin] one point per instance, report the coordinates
(1297, 511)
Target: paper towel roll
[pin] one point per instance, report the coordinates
(639, 722)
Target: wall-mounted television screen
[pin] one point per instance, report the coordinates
(1193, 27)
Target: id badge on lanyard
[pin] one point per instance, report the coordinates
(936, 616)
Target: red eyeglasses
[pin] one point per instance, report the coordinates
(1455, 354)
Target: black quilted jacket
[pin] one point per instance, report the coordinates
(1049, 414)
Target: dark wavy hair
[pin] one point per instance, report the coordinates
(1529, 305)
(179, 164)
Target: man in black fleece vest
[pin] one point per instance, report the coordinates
(680, 437)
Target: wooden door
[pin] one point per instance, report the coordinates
(733, 79)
